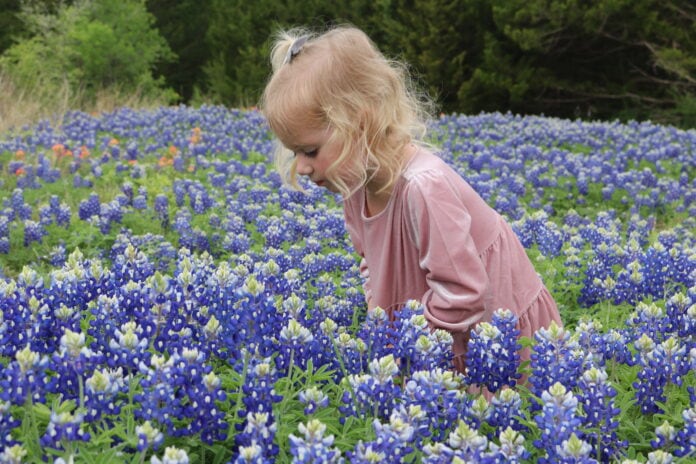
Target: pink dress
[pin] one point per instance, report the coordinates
(438, 242)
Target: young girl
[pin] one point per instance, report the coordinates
(350, 122)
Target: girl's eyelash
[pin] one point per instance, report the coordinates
(311, 153)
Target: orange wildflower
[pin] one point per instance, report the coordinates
(132, 162)
(196, 135)
(165, 161)
(19, 154)
(84, 152)
(58, 149)
(20, 171)
(113, 142)
(173, 150)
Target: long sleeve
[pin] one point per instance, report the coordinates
(367, 288)
(364, 269)
(440, 226)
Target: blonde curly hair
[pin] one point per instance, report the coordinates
(340, 80)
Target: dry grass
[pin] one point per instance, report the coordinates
(20, 106)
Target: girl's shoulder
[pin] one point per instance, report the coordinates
(426, 166)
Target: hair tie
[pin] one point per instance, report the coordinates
(295, 48)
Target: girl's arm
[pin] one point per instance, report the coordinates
(440, 225)
(367, 288)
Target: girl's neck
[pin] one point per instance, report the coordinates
(375, 200)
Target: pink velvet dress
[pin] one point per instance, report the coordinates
(438, 242)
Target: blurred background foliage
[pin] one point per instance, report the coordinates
(589, 59)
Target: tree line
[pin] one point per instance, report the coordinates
(591, 59)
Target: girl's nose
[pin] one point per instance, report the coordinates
(304, 167)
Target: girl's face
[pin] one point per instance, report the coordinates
(315, 152)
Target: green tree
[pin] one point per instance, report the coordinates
(240, 32)
(184, 24)
(10, 25)
(441, 40)
(599, 58)
(88, 46)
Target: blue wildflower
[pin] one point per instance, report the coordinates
(510, 450)
(373, 394)
(493, 354)
(686, 437)
(557, 421)
(172, 455)
(506, 410)
(314, 399)
(596, 396)
(315, 447)
(148, 436)
(256, 440)
(555, 358)
(62, 428)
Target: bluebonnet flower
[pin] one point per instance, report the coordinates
(21, 209)
(433, 453)
(33, 232)
(439, 393)
(64, 427)
(26, 378)
(614, 346)
(467, 443)
(664, 436)
(506, 410)
(417, 347)
(7, 423)
(352, 352)
(89, 207)
(589, 337)
(102, 392)
(14, 454)
(378, 333)
(127, 347)
(314, 399)
(574, 451)
(365, 454)
(45, 216)
(158, 399)
(148, 436)
(661, 364)
(172, 455)
(649, 319)
(373, 394)
(596, 396)
(659, 457)
(259, 392)
(256, 440)
(554, 359)
(557, 421)
(493, 354)
(686, 437)
(397, 439)
(202, 388)
(71, 363)
(315, 447)
(680, 320)
(127, 189)
(140, 202)
(249, 319)
(57, 255)
(252, 454)
(511, 449)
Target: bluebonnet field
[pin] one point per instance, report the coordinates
(163, 298)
